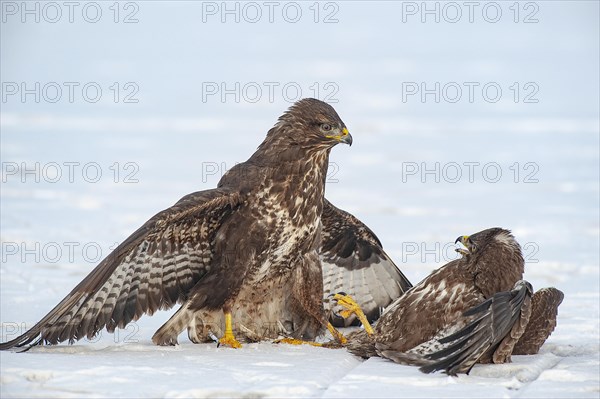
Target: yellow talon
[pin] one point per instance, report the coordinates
(294, 341)
(351, 307)
(228, 339)
(338, 336)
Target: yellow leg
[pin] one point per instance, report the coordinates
(351, 307)
(228, 339)
(294, 341)
(336, 334)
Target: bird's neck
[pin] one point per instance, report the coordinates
(296, 186)
(294, 174)
(302, 178)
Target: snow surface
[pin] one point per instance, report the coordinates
(174, 141)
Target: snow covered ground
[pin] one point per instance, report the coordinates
(79, 176)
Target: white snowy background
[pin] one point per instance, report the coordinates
(177, 138)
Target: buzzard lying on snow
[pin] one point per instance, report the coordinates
(247, 252)
(473, 309)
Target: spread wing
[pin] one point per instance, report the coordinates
(354, 262)
(152, 269)
(498, 323)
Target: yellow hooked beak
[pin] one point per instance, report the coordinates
(344, 137)
(464, 240)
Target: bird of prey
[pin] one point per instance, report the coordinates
(473, 309)
(244, 255)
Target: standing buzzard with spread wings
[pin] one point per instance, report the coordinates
(246, 252)
(473, 309)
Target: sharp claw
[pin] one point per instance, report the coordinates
(230, 341)
(341, 294)
(336, 297)
(345, 313)
(214, 338)
(351, 307)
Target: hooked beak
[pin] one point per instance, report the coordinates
(346, 137)
(343, 137)
(464, 240)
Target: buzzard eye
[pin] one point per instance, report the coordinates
(326, 127)
(472, 245)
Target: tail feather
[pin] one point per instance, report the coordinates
(406, 358)
(544, 311)
(361, 344)
(167, 334)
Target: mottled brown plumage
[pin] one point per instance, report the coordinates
(490, 336)
(354, 262)
(544, 311)
(249, 248)
(473, 309)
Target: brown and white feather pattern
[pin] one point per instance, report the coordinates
(355, 263)
(487, 333)
(544, 311)
(474, 309)
(152, 269)
(248, 247)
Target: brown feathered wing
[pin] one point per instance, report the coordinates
(152, 269)
(498, 323)
(355, 263)
(544, 310)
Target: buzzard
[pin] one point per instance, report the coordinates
(246, 252)
(473, 309)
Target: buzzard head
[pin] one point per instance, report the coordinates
(494, 258)
(486, 239)
(310, 124)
